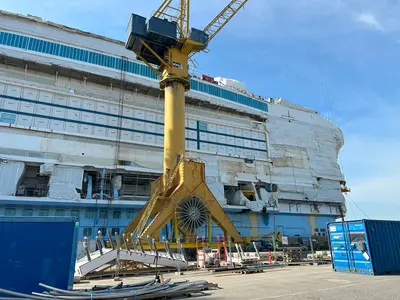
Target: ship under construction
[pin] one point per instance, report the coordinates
(82, 134)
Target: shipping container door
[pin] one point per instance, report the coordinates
(360, 260)
(349, 246)
(339, 248)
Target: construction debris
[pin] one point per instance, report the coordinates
(151, 289)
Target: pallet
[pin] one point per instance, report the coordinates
(247, 271)
(302, 263)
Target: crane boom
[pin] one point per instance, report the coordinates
(163, 7)
(223, 18)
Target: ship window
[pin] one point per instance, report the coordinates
(322, 230)
(271, 187)
(87, 232)
(60, 212)
(75, 213)
(89, 214)
(51, 48)
(103, 214)
(129, 66)
(27, 212)
(114, 230)
(203, 126)
(116, 215)
(10, 212)
(130, 214)
(8, 118)
(316, 229)
(44, 213)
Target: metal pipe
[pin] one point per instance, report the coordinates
(168, 248)
(140, 244)
(241, 250)
(312, 250)
(100, 234)
(103, 176)
(99, 245)
(230, 249)
(133, 242)
(125, 241)
(197, 251)
(155, 246)
(182, 250)
(255, 248)
(110, 238)
(238, 250)
(209, 230)
(85, 246)
(143, 291)
(204, 251)
(274, 246)
(149, 240)
(219, 249)
(117, 240)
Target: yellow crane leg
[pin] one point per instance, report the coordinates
(165, 213)
(217, 213)
(174, 124)
(135, 222)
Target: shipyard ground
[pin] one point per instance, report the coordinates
(299, 282)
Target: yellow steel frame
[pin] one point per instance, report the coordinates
(188, 181)
(223, 18)
(163, 7)
(182, 177)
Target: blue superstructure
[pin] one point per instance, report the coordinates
(109, 217)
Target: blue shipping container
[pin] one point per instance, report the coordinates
(365, 246)
(35, 250)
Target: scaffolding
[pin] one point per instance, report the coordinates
(117, 185)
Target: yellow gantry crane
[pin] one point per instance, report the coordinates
(166, 43)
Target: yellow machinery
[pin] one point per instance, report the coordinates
(166, 43)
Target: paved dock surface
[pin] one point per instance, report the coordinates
(301, 282)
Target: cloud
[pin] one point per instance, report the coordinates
(369, 20)
(370, 158)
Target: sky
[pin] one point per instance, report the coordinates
(339, 57)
